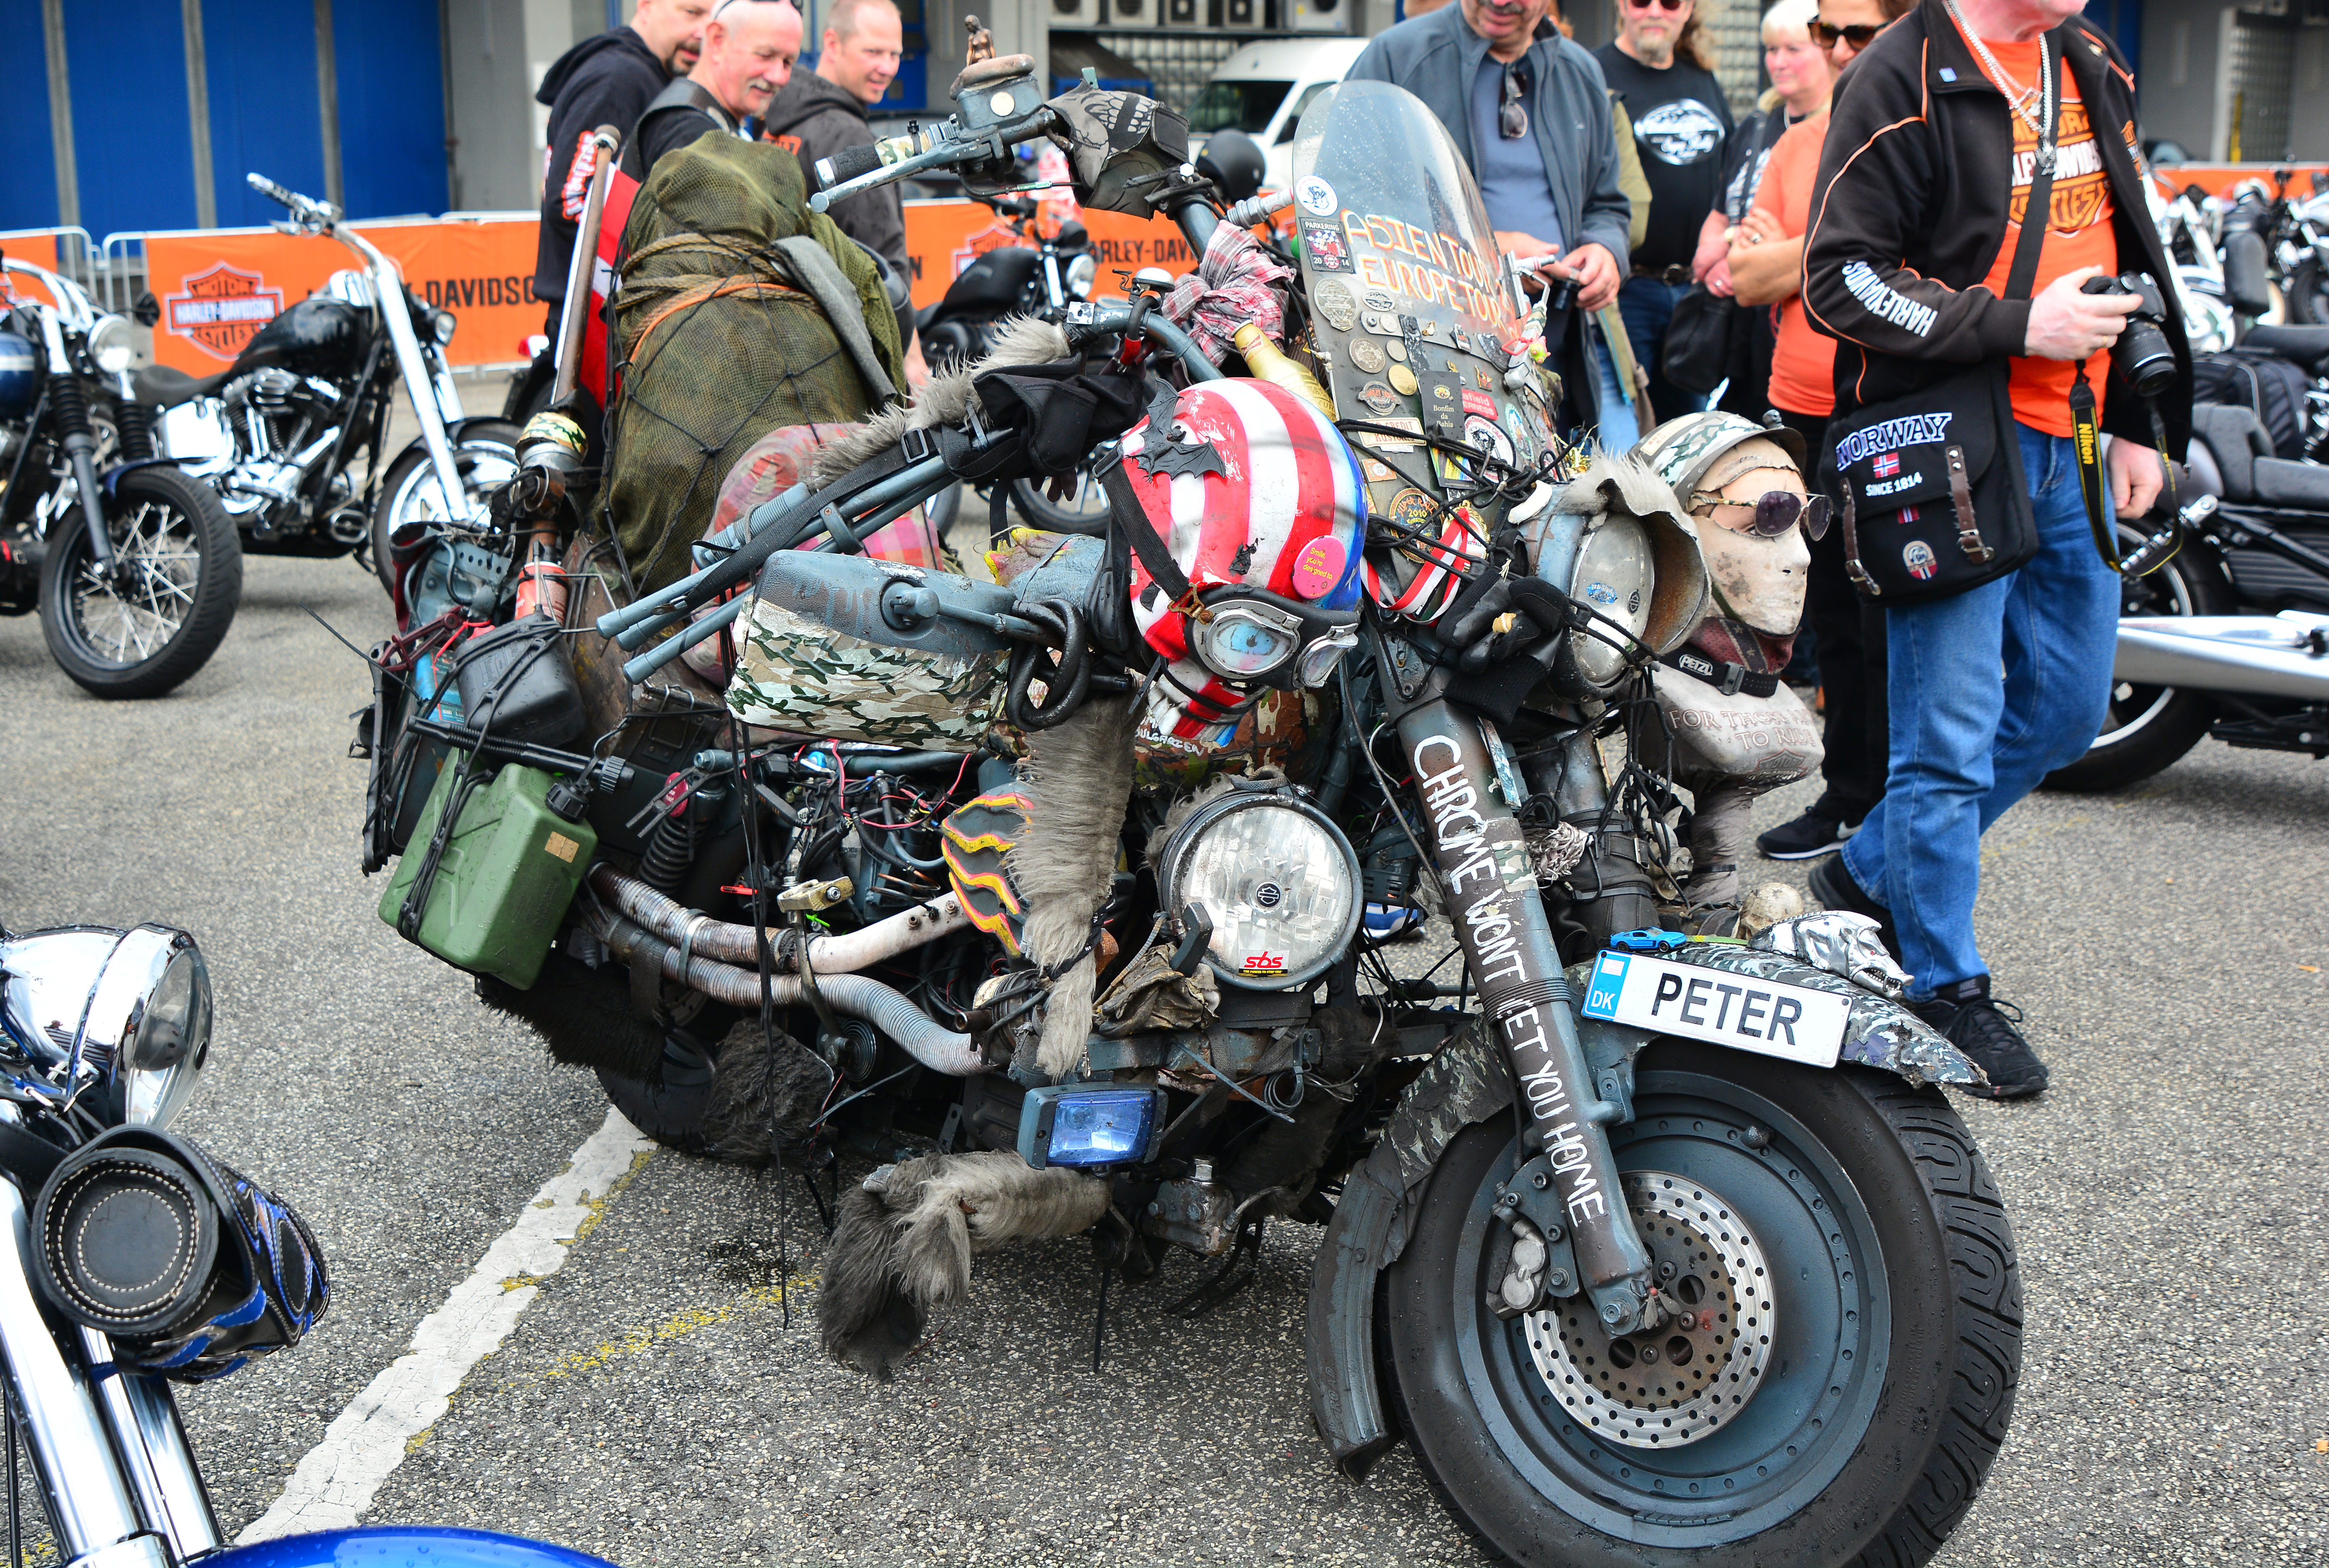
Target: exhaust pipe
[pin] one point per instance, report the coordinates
(939, 1048)
(2274, 656)
(669, 919)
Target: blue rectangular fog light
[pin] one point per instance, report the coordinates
(1085, 1124)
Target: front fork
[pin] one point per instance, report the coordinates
(1493, 904)
(69, 408)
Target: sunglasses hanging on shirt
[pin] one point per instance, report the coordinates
(1512, 114)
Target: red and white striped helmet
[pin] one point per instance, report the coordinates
(1283, 510)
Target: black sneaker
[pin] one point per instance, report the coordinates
(1807, 836)
(1983, 1029)
(1834, 889)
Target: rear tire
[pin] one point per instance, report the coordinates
(184, 585)
(2147, 728)
(2308, 292)
(1891, 1336)
(671, 1113)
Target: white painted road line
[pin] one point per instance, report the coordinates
(338, 1478)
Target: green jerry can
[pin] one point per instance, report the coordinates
(502, 886)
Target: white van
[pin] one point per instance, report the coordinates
(1262, 90)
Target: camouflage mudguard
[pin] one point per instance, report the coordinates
(796, 675)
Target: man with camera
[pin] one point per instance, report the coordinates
(1968, 354)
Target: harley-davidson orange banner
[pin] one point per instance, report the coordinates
(217, 288)
(37, 246)
(943, 237)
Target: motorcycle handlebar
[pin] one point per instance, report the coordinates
(846, 165)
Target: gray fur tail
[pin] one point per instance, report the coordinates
(907, 1233)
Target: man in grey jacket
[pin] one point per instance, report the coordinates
(1530, 114)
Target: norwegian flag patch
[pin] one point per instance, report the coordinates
(1886, 465)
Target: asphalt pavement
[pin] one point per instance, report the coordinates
(661, 1399)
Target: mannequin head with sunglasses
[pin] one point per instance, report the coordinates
(1752, 514)
(1846, 27)
(1508, 25)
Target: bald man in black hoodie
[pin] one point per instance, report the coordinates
(606, 80)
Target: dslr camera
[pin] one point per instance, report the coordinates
(2141, 353)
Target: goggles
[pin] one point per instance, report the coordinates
(1776, 512)
(1247, 634)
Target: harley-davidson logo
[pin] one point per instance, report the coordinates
(996, 237)
(218, 311)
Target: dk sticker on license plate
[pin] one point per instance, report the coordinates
(1769, 1018)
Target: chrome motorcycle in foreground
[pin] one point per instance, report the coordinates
(132, 1259)
(278, 434)
(1650, 1231)
(133, 566)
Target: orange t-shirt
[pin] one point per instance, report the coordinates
(1803, 361)
(2079, 232)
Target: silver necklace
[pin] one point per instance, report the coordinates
(2016, 100)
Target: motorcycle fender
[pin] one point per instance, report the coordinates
(112, 478)
(1469, 1082)
(454, 430)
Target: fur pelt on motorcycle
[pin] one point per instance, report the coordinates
(906, 1234)
(943, 402)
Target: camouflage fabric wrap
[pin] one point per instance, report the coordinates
(717, 341)
(808, 678)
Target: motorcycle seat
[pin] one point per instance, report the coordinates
(159, 384)
(2304, 345)
(2303, 486)
(2236, 439)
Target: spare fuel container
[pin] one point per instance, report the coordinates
(497, 894)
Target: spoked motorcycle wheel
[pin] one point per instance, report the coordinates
(486, 455)
(1840, 1371)
(158, 617)
(2147, 728)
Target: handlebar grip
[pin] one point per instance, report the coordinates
(846, 165)
(269, 189)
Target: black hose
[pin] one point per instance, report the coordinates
(1068, 678)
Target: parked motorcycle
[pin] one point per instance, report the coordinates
(1047, 893)
(136, 590)
(2230, 639)
(135, 1259)
(278, 434)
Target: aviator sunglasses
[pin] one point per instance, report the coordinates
(1777, 511)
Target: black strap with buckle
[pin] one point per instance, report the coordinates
(1724, 677)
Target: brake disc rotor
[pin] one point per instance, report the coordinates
(1695, 1373)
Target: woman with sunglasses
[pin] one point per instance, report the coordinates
(1767, 268)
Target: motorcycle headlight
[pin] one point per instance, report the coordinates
(1615, 574)
(112, 344)
(152, 1008)
(442, 326)
(1081, 270)
(1278, 877)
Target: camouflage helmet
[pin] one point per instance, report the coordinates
(1682, 451)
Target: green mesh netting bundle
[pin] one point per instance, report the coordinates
(724, 333)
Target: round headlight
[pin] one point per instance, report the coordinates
(1279, 881)
(1081, 270)
(113, 343)
(150, 1013)
(443, 326)
(1615, 573)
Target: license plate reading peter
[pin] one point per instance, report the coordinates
(1769, 1018)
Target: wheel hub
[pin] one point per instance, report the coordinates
(1687, 1378)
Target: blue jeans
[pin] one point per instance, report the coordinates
(1618, 429)
(1648, 305)
(1965, 745)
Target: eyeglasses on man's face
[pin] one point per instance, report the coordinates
(1655, 4)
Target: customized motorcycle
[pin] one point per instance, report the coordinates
(132, 1259)
(278, 434)
(133, 566)
(1045, 891)
(2230, 638)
